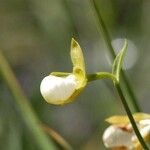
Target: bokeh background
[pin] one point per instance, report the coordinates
(35, 38)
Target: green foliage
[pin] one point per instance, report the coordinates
(116, 68)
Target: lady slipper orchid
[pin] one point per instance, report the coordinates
(60, 88)
(120, 134)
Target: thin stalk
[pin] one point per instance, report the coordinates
(125, 83)
(90, 77)
(27, 112)
(127, 109)
(101, 75)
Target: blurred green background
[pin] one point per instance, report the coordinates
(35, 38)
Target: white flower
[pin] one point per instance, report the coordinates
(57, 90)
(60, 87)
(115, 136)
(120, 133)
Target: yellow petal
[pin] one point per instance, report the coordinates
(119, 119)
(123, 119)
(141, 116)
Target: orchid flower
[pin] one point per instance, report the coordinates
(59, 87)
(120, 134)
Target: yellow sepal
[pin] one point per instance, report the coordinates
(78, 64)
(123, 119)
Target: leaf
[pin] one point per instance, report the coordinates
(123, 119)
(116, 68)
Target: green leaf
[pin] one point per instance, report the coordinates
(116, 68)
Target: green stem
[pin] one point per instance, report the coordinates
(103, 29)
(127, 109)
(29, 116)
(101, 75)
(125, 83)
(90, 77)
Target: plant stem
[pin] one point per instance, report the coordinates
(125, 83)
(127, 109)
(101, 75)
(27, 112)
